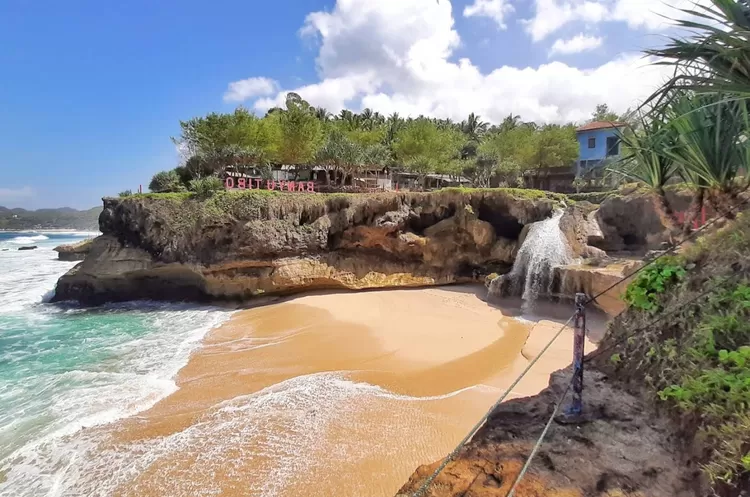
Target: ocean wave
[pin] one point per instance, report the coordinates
(26, 240)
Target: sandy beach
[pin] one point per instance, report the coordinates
(335, 394)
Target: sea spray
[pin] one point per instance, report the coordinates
(543, 249)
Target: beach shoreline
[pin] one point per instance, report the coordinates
(342, 380)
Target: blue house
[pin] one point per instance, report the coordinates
(598, 142)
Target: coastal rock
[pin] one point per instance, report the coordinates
(238, 245)
(31, 247)
(74, 251)
(596, 276)
(582, 229)
(623, 450)
(630, 221)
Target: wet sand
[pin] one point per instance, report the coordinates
(336, 394)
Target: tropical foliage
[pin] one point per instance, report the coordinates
(696, 130)
(302, 136)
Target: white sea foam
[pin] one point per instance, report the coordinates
(27, 240)
(277, 431)
(64, 369)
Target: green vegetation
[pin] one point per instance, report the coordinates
(21, 219)
(696, 362)
(714, 59)
(205, 187)
(593, 197)
(300, 137)
(697, 127)
(166, 182)
(645, 290)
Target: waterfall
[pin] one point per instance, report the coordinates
(544, 248)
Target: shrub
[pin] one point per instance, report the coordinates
(166, 182)
(125, 193)
(713, 381)
(643, 293)
(205, 187)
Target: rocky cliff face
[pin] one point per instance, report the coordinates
(234, 246)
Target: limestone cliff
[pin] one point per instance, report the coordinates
(236, 245)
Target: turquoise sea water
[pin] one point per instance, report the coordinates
(63, 368)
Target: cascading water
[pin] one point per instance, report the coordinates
(544, 248)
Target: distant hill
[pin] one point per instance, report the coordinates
(64, 217)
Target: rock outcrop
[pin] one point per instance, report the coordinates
(623, 451)
(234, 246)
(74, 251)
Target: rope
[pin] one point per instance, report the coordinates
(538, 444)
(420, 492)
(666, 252)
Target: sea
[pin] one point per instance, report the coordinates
(64, 368)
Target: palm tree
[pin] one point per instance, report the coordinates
(510, 122)
(717, 57)
(323, 114)
(474, 127)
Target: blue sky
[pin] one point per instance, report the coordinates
(91, 91)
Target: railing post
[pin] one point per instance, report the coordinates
(579, 338)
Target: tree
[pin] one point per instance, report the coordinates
(300, 132)
(474, 127)
(423, 148)
(209, 144)
(554, 146)
(602, 113)
(166, 182)
(506, 153)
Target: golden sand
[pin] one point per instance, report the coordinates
(338, 394)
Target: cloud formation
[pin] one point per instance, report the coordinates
(653, 15)
(496, 10)
(395, 56)
(577, 44)
(239, 91)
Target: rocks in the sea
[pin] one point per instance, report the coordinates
(74, 251)
(30, 247)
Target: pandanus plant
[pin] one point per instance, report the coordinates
(716, 57)
(711, 148)
(644, 160)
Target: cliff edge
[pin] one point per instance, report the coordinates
(237, 245)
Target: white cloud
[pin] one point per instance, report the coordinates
(15, 193)
(395, 56)
(496, 10)
(239, 91)
(577, 44)
(653, 15)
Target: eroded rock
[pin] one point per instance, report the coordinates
(250, 245)
(74, 251)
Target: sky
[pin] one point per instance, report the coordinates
(92, 91)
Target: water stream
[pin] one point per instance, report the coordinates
(543, 249)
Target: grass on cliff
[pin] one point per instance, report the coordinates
(696, 362)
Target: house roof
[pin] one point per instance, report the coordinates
(601, 125)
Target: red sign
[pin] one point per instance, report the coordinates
(258, 184)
